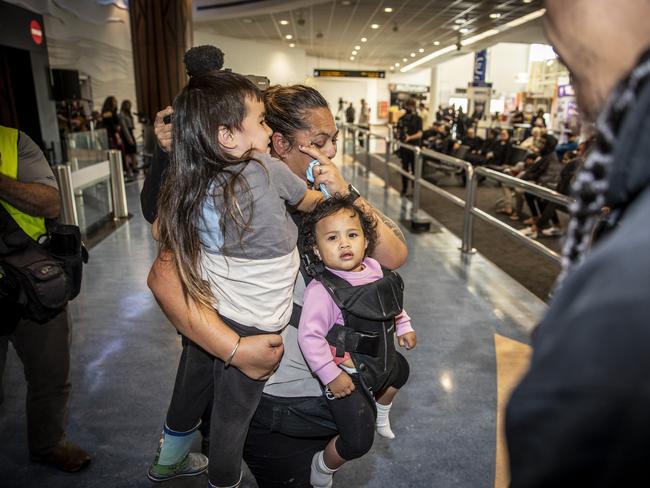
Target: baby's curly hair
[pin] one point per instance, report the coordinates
(329, 207)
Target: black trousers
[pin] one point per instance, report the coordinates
(235, 398)
(355, 414)
(408, 164)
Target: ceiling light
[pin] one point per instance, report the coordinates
(288, 36)
(464, 30)
(357, 47)
(428, 57)
(351, 58)
(284, 22)
(374, 26)
(346, 2)
(405, 59)
(456, 27)
(292, 45)
(354, 52)
(363, 39)
(412, 55)
(460, 21)
(421, 50)
(478, 37)
(495, 15)
(527, 1)
(436, 43)
(388, 10)
(247, 21)
(525, 18)
(396, 64)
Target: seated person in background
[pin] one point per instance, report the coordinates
(471, 140)
(479, 157)
(534, 142)
(516, 170)
(544, 172)
(570, 145)
(499, 155)
(351, 299)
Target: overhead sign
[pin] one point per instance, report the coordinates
(406, 88)
(36, 31)
(480, 64)
(347, 73)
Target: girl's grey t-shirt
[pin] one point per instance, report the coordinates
(252, 273)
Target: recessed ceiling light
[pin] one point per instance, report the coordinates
(412, 55)
(351, 58)
(436, 43)
(374, 26)
(392, 68)
(527, 1)
(460, 21)
(464, 30)
(292, 45)
(456, 27)
(247, 21)
(388, 10)
(397, 64)
(363, 39)
(357, 47)
(405, 59)
(495, 15)
(284, 22)
(288, 36)
(421, 50)
(346, 2)
(354, 52)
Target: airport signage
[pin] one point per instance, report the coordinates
(480, 64)
(347, 73)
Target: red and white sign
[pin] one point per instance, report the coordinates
(37, 32)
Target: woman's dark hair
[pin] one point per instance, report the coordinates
(286, 108)
(201, 60)
(328, 207)
(110, 105)
(126, 107)
(200, 168)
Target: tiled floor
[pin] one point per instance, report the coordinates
(124, 357)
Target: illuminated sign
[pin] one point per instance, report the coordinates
(346, 73)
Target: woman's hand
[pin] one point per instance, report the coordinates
(326, 172)
(258, 356)
(163, 131)
(408, 340)
(341, 386)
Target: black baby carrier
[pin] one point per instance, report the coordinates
(368, 331)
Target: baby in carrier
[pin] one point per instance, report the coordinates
(351, 314)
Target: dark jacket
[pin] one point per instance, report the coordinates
(152, 184)
(580, 416)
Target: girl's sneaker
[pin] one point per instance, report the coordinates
(194, 463)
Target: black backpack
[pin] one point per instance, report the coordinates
(38, 279)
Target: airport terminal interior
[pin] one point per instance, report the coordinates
(475, 80)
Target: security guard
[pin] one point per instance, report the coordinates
(28, 191)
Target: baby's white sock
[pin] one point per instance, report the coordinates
(321, 476)
(383, 422)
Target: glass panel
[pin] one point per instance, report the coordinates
(87, 148)
(94, 206)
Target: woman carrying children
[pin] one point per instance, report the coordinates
(351, 314)
(303, 130)
(223, 215)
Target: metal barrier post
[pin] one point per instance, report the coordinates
(386, 168)
(470, 201)
(367, 144)
(344, 133)
(120, 208)
(418, 224)
(354, 144)
(68, 205)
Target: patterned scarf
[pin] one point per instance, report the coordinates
(592, 183)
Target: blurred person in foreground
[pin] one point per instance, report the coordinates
(580, 415)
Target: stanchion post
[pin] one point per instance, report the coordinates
(417, 156)
(344, 134)
(354, 144)
(118, 190)
(367, 144)
(387, 160)
(66, 190)
(468, 218)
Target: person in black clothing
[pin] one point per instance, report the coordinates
(349, 114)
(579, 416)
(409, 131)
(472, 141)
(499, 154)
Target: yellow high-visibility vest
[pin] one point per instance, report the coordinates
(34, 227)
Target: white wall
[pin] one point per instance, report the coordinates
(505, 61)
(452, 74)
